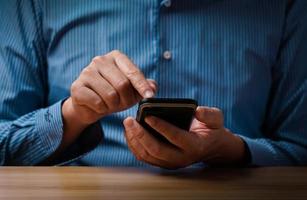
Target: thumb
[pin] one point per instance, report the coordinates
(212, 117)
(130, 127)
(129, 123)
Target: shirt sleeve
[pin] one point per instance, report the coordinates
(30, 129)
(286, 122)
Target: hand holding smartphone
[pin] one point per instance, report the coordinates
(178, 112)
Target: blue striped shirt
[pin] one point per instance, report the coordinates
(246, 57)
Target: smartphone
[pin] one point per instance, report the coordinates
(177, 111)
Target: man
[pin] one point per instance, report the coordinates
(68, 96)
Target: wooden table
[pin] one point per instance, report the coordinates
(133, 183)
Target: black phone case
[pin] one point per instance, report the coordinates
(173, 111)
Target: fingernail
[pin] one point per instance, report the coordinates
(148, 94)
(129, 122)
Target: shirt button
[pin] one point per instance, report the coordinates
(167, 55)
(167, 3)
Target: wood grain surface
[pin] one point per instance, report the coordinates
(135, 183)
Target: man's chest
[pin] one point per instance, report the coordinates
(213, 51)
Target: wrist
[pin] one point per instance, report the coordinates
(241, 149)
(72, 124)
(236, 149)
(246, 160)
(70, 115)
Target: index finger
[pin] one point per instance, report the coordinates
(132, 72)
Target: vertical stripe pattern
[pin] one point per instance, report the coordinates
(247, 58)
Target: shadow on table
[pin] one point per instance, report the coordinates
(216, 174)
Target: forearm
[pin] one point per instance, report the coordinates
(40, 137)
(31, 138)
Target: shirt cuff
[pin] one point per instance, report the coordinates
(262, 153)
(49, 127)
(50, 130)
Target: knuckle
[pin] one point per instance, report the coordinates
(112, 97)
(100, 111)
(115, 52)
(220, 116)
(129, 138)
(123, 84)
(87, 71)
(140, 83)
(134, 73)
(139, 133)
(216, 109)
(98, 104)
(76, 97)
(74, 87)
(133, 141)
(97, 59)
